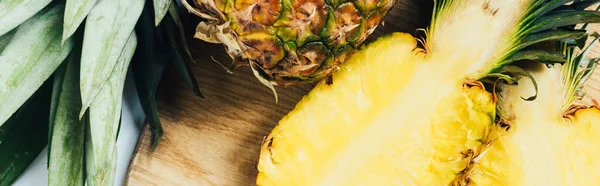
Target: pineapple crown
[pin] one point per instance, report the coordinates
(543, 22)
(575, 71)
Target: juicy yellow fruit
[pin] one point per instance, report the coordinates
(400, 115)
(396, 115)
(542, 147)
(359, 137)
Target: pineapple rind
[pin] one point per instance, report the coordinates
(338, 24)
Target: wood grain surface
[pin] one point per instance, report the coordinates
(216, 140)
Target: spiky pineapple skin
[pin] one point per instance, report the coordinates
(295, 42)
(332, 140)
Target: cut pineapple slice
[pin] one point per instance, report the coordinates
(365, 144)
(400, 115)
(542, 147)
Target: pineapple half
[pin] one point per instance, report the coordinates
(289, 42)
(552, 140)
(399, 114)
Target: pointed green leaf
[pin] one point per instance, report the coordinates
(562, 8)
(66, 152)
(515, 71)
(574, 42)
(579, 60)
(24, 141)
(5, 39)
(575, 72)
(582, 5)
(75, 13)
(105, 115)
(591, 67)
(575, 5)
(107, 29)
(585, 26)
(90, 164)
(178, 61)
(569, 36)
(33, 54)
(15, 12)
(174, 15)
(566, 18)
(112, 165)
(579, 42)
(161, 8)
(144, 71)
(537, 55)
(547, 7)
(59, 76)
(509, 80)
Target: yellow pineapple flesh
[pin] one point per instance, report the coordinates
(398, 114)
(542, 147)
(358, 138)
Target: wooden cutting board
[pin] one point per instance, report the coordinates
(216, 140)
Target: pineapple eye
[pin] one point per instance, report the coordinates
(266, 11)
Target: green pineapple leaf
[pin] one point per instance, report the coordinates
(107, 29)
(173, 13)
(31, 57)
(553, 35)
(566, 18)
(176, 56)
(581, 5)
(66, 152)
(538, 55)
(15, 12)
(144, 66)
(19, 144)
(75, 13)
(161, 8)
(5, 39)
(104, 120)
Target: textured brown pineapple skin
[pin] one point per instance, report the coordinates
(295, 42)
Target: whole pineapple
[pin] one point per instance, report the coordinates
(289, 42)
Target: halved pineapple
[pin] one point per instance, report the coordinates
(551, 141)
(357, 138)
(401, 115)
